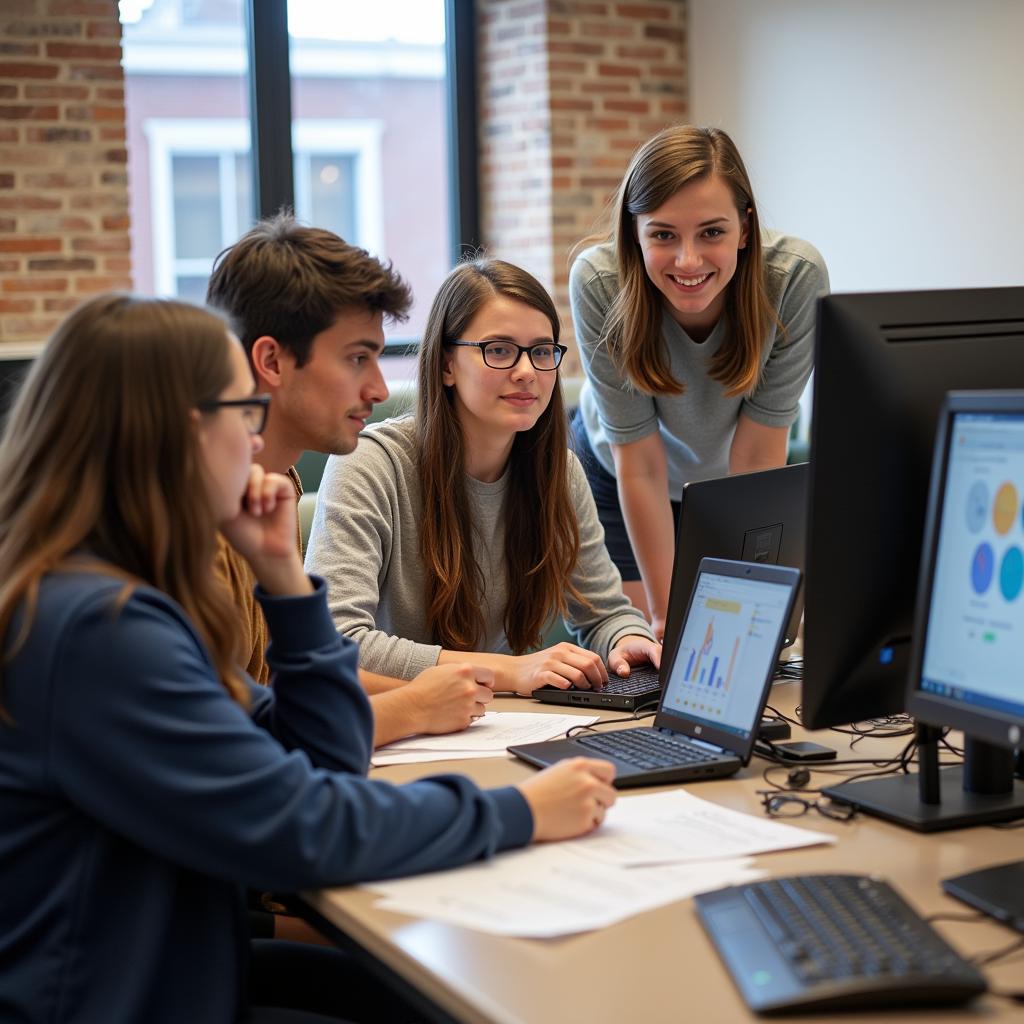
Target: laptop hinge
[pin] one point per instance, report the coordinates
(713, 748)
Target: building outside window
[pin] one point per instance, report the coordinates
(369, 135)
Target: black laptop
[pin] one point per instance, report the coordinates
(716, 684)
(751, 517)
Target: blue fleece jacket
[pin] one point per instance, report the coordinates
(137, 801)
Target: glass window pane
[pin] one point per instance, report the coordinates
(191, 288)
(245, 211)
(369, 84)
(332, 195)
(186, 96)
(195, 187)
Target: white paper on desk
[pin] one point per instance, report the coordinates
(676, 827)
(486, 737)
(550, 890)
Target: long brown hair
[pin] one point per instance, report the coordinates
(542, 538)
(676, 157)
(100, 458)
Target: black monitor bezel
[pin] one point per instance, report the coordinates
(990, 725)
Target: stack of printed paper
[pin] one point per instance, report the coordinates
(651, 851)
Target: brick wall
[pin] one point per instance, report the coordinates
(63, 179)
(568, 90)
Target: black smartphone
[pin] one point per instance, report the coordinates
(803, 750)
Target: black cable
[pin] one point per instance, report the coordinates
(998, 954)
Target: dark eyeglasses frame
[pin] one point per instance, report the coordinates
(261, 402)
(774, 800)
(528, 349)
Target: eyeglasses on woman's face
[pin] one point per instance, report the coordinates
(254, 410)
(503, 355)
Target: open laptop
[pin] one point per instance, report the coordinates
(750, 517)
(717, 683)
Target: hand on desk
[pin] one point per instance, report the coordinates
(442, 699)
(570, 798)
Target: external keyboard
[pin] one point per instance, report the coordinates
(819, 942)
(643, 748)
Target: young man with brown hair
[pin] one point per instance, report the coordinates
(309, 310)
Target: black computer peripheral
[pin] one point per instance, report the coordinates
(824, 942)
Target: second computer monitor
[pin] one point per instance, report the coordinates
(883, 365)
(748, 517)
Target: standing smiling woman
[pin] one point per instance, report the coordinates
(467, 527)
(145, 780)
(695, 329)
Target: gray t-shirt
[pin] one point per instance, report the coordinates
(365, 541)
(696, 427)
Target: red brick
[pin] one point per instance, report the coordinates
(59, 179)
(566, 103)
(83, 51)
(99, 201)
(642, 52)
(91, 285)
(28, 203)
(8, 92)
(36, 284)
(111, 93)
(56, 92)
(18, 49)
(103, 72)
(9, 266)
(117, 243)
(29, 245)
(8, 224)
(115, 222)
(36, 328)
(628, 106)
(86, 8)
(64, 135)
(645, 12)
(599, 30)
(17, 305)
(9, 135)
(673, 35)
(103, 30)
(95, 113)
(28, 113)
(25, 69)
(6, 181)
(117, 264)
(62, 263)
(59, 305)
(618, 70)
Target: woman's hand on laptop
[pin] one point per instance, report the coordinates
(570, 798)
(633, 650)
(563, 665)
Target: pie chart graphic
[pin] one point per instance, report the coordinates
(977, 506)
(1004, 511)
(1011, 574)
(982, 566)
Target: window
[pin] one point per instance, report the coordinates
(369, 138)
(201, 190)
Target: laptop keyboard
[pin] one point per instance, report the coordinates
(640, 680)
(644, 748)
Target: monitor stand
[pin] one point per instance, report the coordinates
(982, 791)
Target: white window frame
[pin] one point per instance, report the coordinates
(227, 137)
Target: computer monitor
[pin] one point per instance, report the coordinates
(746, 517)
(883, 365)
(965, 665)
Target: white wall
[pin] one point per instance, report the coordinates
(890, 133)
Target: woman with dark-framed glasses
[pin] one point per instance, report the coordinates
(469, 526)
(145, 779)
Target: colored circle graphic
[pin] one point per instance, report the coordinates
(1004, 511)
(977, 506)
(1011, 574)
(981, 568)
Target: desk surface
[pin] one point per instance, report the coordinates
(660, 966)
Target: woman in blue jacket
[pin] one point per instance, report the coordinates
(145, 781)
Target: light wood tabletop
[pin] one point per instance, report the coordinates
(660, 966)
